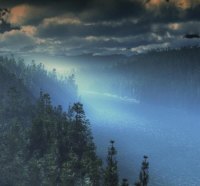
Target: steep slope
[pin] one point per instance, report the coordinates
(36, 78)
(40, 143)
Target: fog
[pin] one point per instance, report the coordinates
(160, 120)
(170, 138)
(165, 126)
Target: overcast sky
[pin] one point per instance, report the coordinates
(71, 27)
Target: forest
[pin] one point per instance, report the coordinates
(167, 77)
(41, 143)
(99, 92)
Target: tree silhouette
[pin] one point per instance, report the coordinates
(144, 173)
(111, 172)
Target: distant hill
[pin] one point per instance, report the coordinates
(167, 77)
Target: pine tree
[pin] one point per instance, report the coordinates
(111, 172)
(144, 173)
(42, 126)
(88, 166)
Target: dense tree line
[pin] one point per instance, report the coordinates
(41, 144)
(35, 77)
(56, 149)
(169, 76)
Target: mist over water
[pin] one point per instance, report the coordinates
(170, 137)
(167, 133)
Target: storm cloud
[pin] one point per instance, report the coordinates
(82, 26)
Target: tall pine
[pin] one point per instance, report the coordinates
(111, 171)
(144, 173)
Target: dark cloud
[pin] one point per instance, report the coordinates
(5, 27)
(193, 13)
(102, 10)
(164, 14)
(114, 10)
(86, 10)
(95, 25)
(115, 29)
(107, 10)
(69, 4)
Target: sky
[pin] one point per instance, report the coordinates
(98, 27)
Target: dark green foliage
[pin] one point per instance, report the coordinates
(144, 173)
(41, 144)
(55, 150)
(15, 117)
(82, 145)
(63, 146)
(168, 77)
(111, 172)
(12, 150)
(35, 77)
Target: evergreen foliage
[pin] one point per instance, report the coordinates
(55, 150)
(63, 145)
(42, 145)
(144, 173)
(35, 78)
(165, 77)
(111, 171)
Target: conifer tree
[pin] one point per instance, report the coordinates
(144, 173)
(88, 166)
(111, 172)
(41, 129)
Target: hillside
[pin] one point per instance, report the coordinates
(36, 78)
(167, 77)
(40, 143)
